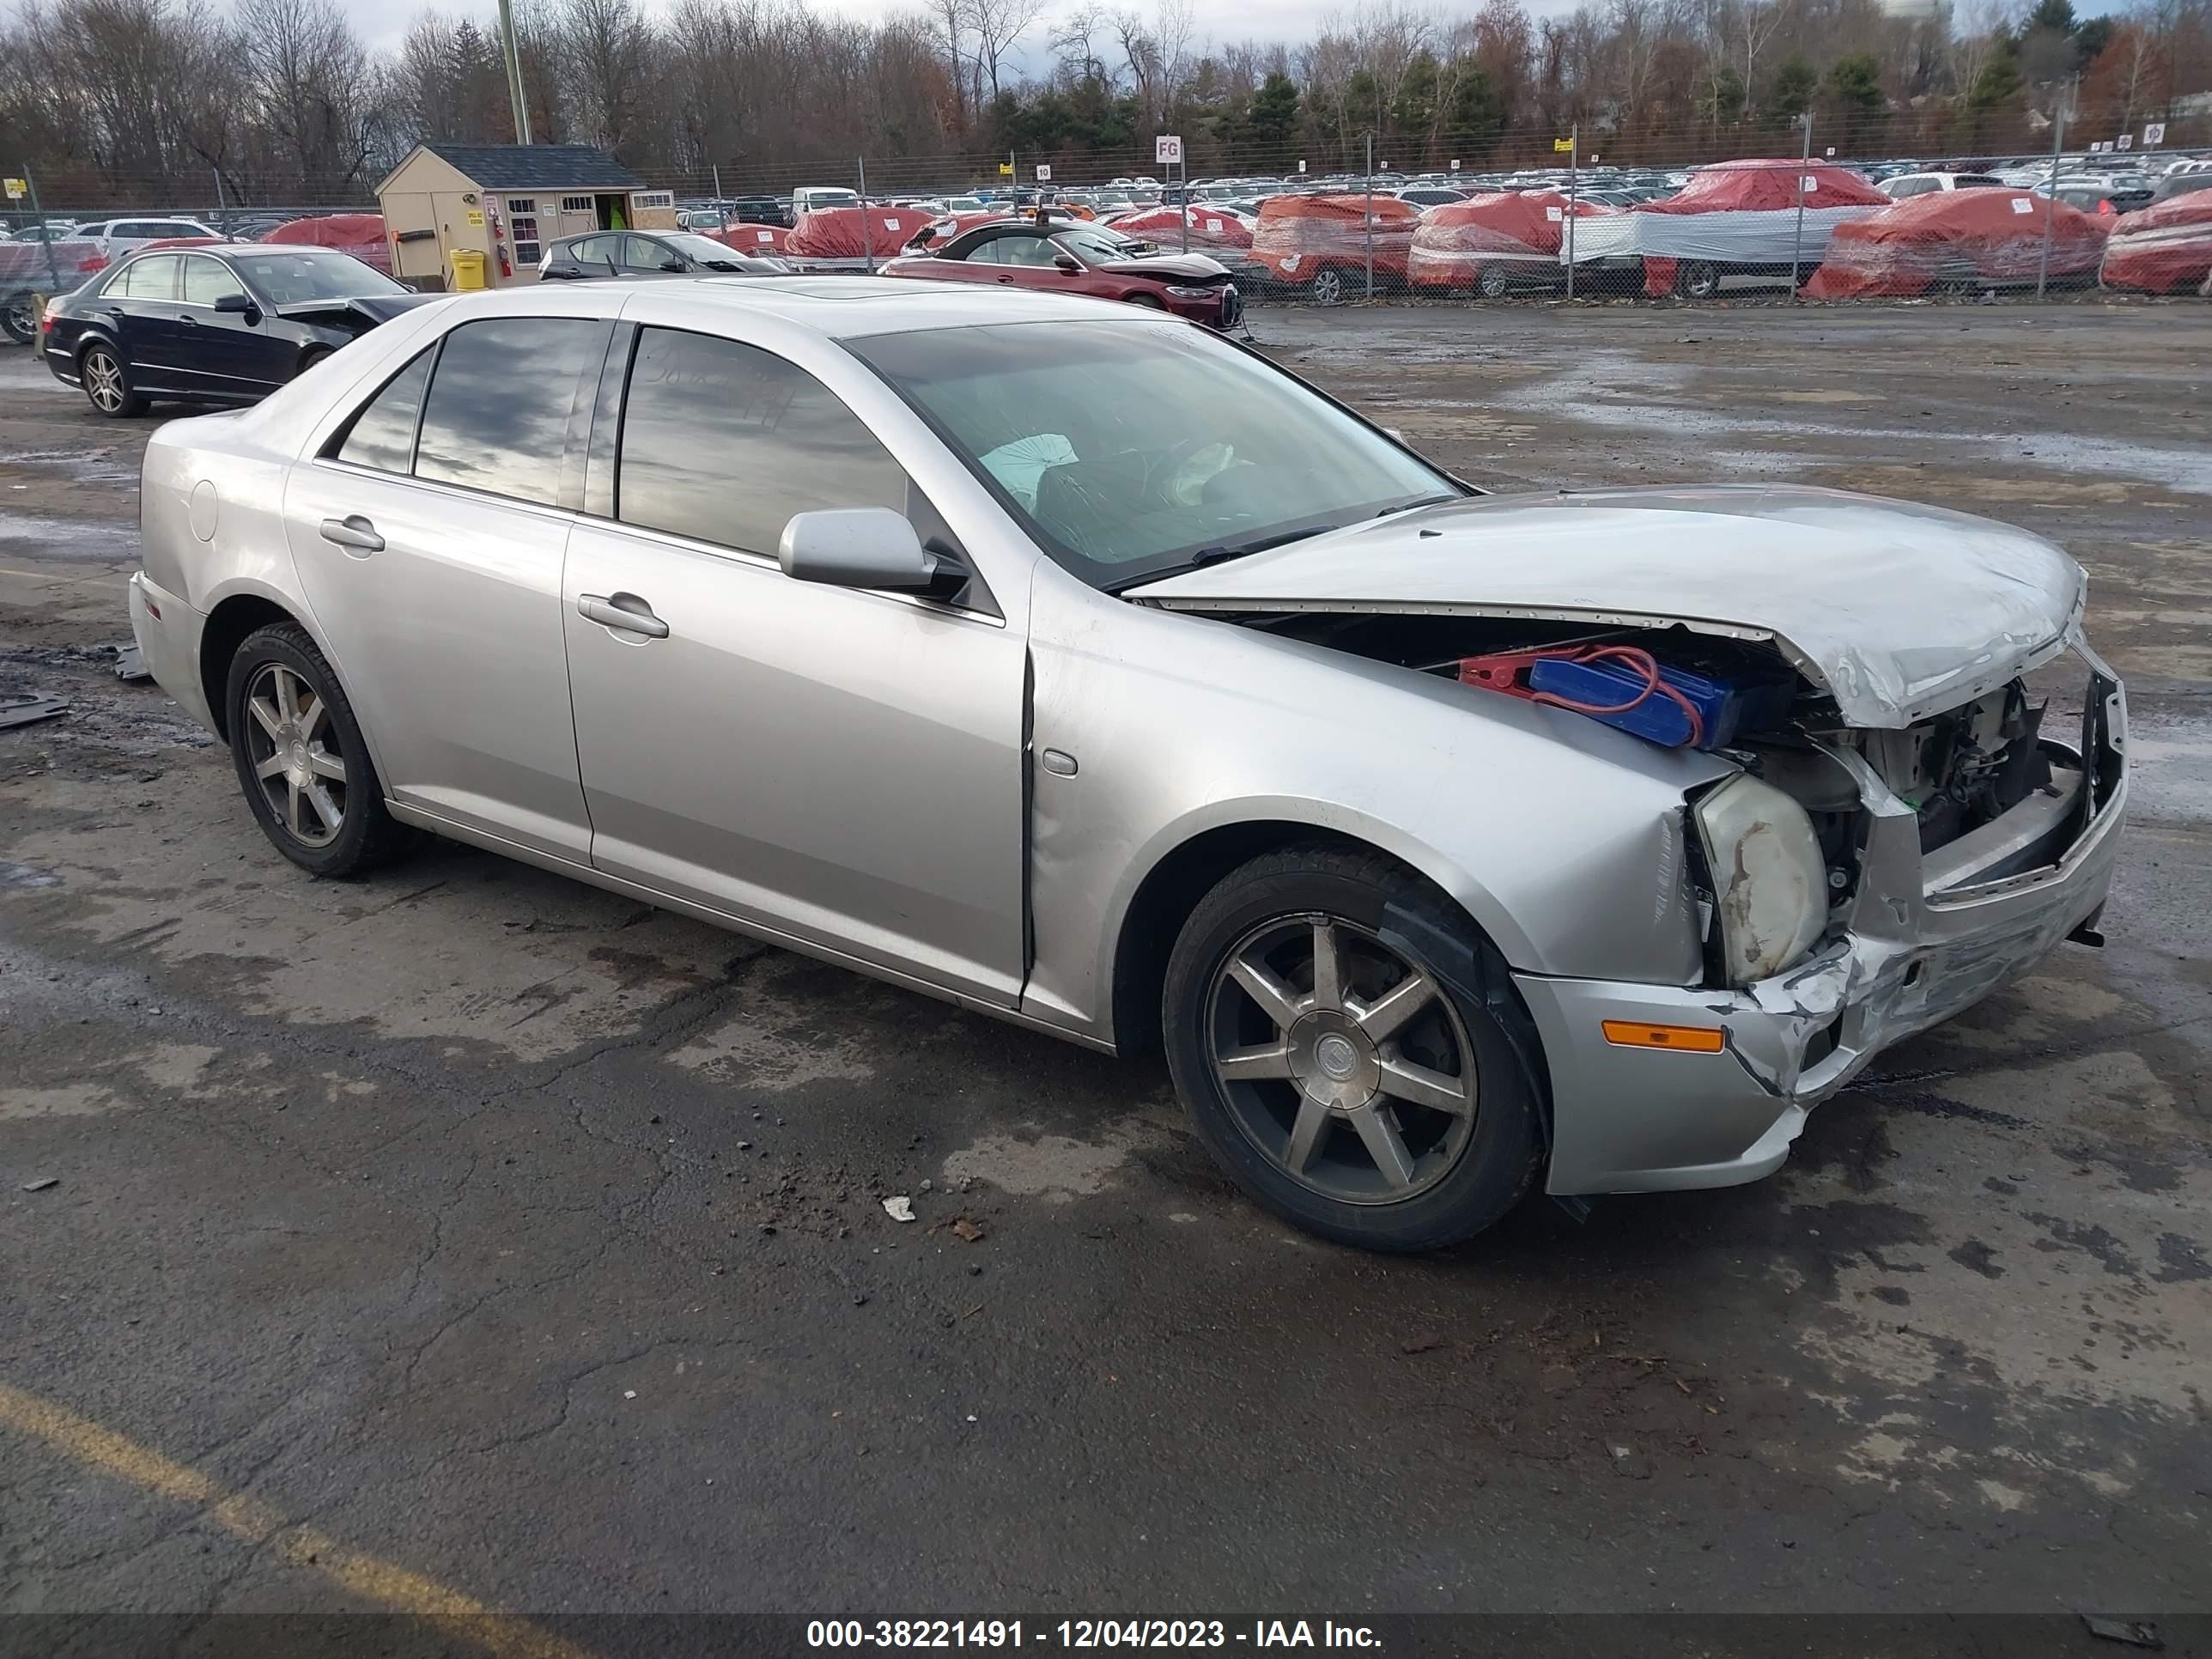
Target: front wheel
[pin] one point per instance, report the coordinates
(106, 385)
(18, 318)
(301, 759)
(1352, 1052)
(1493, 283)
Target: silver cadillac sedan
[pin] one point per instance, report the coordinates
(1079, 667)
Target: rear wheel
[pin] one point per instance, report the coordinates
(1339, 1064)
(1698, 280)
(1329, 286)
(17, 319)
(309, 358)
(301, 759)
(1493, 282)
(106, 385)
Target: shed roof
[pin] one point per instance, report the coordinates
(538, 166)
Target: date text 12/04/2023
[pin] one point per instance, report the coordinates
(1087, 1634)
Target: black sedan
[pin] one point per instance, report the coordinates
(218, 323)
(649, 254)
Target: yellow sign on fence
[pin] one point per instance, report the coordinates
(1563, 145)
(1005, 169)
(17, 190)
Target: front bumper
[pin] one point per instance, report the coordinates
(1925, 939)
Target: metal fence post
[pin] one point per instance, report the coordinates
(717, 172)
(1574, 176)
(1367, 216)
(53, 266)
(2050, 206)
(867, 225)
(1797, 241)
(1184, 165)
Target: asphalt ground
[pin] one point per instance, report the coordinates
(470, 1240)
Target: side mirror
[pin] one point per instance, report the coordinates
(864, 547)
(236, 305)
(674, 266)
(1066, 261)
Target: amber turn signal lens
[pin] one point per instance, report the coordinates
(1691, 1039)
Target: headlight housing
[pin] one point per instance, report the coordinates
(1769, 881)
(1181, 293)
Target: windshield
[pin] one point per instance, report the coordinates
(290, 278)
(1094, 246)
(693, 247)
(1132, 450)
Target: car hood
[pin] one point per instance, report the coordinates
(1898, 611)
(1167, 267)
(376, 307)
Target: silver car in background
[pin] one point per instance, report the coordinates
(1082, 668)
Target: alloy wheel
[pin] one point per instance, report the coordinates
(1342, 1062)
(302, 778)
(1493, 283)
(1328, 287)
(103, 381)
(18, 321)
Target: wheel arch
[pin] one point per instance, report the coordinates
(1193, 861)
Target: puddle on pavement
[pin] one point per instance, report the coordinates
(1615, 389)
(25, 535)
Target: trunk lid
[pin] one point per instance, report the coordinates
(1897, 610)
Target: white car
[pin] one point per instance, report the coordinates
(1921, 184)
(117, 237)
(807, 197)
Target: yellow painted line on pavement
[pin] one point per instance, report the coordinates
(397, 1588)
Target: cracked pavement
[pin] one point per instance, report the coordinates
(531, 1238)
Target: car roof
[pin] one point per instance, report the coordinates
(840, 307)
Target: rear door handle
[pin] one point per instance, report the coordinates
(624, 610)
(355, 531)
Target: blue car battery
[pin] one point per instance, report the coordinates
(1599, 689)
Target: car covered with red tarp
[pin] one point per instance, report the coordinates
(763, 241)
(1963, 239)
(1494, 242)
(836, 237)
(360, 235)
(1757, 218)
(1211, 229)
(2165, 248)
(1320, 243)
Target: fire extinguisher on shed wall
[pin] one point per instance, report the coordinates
(498, 237)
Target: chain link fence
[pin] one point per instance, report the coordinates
(1355, 223)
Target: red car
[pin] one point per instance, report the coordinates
(1074, 257)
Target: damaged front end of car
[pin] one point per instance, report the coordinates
(1913, 807)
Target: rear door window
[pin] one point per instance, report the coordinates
(154, 277)
(496, 418)
(724, 442)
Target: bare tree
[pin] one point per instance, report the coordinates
(997, 25)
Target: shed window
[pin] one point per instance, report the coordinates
(575, 204)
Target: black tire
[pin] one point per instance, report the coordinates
(16, 320)
(1697, 279)
(367, 836)
(1150, 302)
(119, 403)
(1328, 287)
(1493, 282)
(309, 358)
(1371, 900)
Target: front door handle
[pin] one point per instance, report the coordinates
(624, 610)
(1005, 279)
(355, 531)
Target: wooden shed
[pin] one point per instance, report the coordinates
(506, 201)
